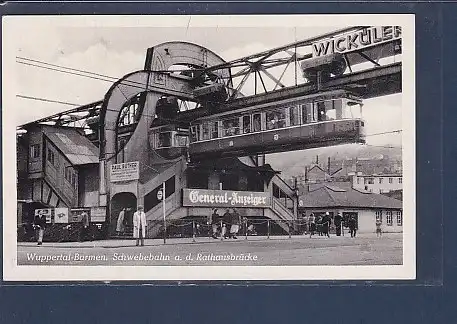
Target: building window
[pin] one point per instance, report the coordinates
(35, 151)
(389, 218)
(399, 218)
(51, 156)
(358, 180)
(400, 180)
(379, 216)
(380, 180)
(391, 180)
(369, 181)
(70, 176)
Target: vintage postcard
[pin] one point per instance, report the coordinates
(260, 147)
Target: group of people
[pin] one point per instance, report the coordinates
(321, 224)
(227, 225)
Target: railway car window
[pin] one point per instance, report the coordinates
(246, 124)
(231, 126)
(164, 139)
(320, 111)
(293, 113)
(308, 113)
(352, 109)
(180, 140)
(205, 131)
(330, 112)
(276, 119)
(215, 130)
(338, 106)
(198, 133)
(257, 122)
(193, 133)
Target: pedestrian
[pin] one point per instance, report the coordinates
(39, 224)
(120, 222)
(139, 225)
(312, 224)
(378, 228)
(319, 225)
(326, 221)
(226, 219)
(234, 223)
(215, 219)
(352, 226)
(84, 230)
(338, 221)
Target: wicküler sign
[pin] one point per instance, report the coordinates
(125, 171)
(225, 198)
(356, 40)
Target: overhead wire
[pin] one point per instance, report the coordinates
(100, 77)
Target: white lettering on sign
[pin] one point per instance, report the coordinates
(357, 40)
(223, 198)
(159, 195)
(125, 171)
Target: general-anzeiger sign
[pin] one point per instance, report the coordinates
(125, 171)
(225, 198)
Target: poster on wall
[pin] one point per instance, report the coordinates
(125, 171)
(61, 215)
(98, 214)
(45, 211)
(76, 214)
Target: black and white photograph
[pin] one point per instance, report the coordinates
(264, 147)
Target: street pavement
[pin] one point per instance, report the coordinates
(365, 249)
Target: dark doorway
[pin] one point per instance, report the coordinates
(347, 215)
(123, 200)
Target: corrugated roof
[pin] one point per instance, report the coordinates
(332, 196)
(75, 146)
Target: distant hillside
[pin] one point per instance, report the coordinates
(294, 163)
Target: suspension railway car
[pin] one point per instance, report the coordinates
(323, 119)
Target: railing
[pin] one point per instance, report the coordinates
(198, 229)
(194, 230)
(63, 233)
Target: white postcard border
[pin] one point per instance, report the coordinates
(13, 272)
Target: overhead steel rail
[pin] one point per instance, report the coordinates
(378, 80)
(371, 83)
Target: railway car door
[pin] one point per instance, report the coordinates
(246, 124)
(215, 129)
(257, 122)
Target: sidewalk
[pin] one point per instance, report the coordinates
(118, 243)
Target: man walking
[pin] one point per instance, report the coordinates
(120, 222)
(352, 226)
(214, 221)
(84, 227)
(235, 224)
(139, 225)
(312, 224)
(378, 228)
(337, 221)
(326, 221)
(40, 223)
(226, 220)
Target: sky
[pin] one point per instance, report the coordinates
(115, 51)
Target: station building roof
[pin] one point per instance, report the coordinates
(75, 146)
(332, 196)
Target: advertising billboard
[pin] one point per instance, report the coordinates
(225, 198)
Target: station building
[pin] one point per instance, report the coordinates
(367, 207)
